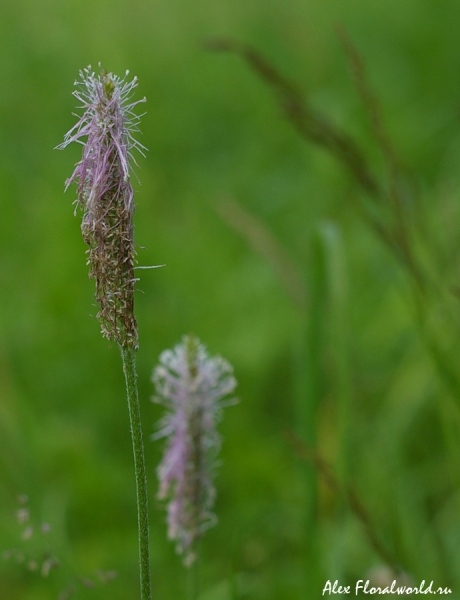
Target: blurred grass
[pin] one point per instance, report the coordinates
(213, 129)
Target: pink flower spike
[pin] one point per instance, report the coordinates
(105, 195)
(192, 386)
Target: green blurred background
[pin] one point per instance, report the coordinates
(353, 372)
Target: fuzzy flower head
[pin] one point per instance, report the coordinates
(193, 387)
(105, 195)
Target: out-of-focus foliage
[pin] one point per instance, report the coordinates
(364, 372)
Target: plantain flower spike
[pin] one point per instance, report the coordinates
(105, 195)
(192, 386)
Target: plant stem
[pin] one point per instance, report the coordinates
(193, 587)
(128, 355)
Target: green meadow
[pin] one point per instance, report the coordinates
(338, 306)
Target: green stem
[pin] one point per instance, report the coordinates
(128, 356)
(193, 587)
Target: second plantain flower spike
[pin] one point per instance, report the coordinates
(192, 386)
(105, 195)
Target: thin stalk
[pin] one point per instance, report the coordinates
(310, 386)
(335, 269)
(193, 587)
(128, 355)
